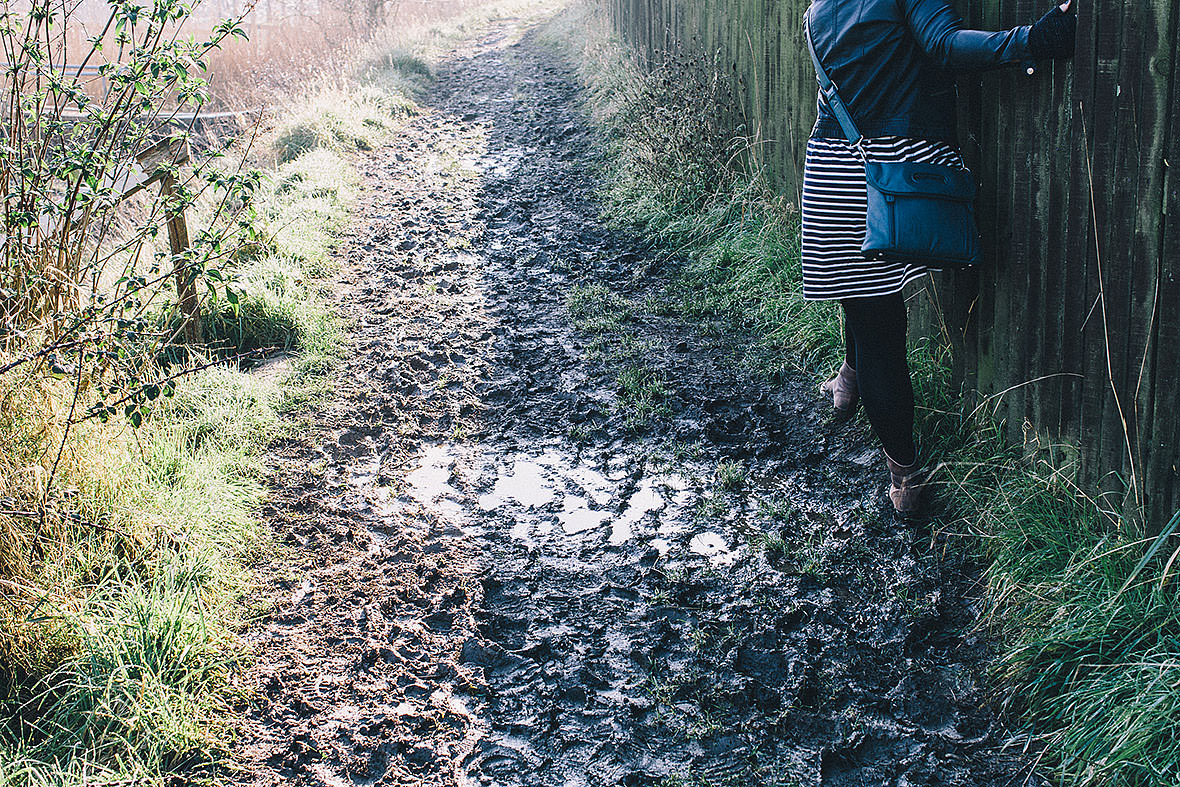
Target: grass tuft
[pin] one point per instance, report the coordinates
(596, 309)
(729, 476)
(643, 395)
(341, 120)
(119, 641)
(1090, 664)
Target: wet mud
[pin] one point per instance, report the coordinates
(548, 535)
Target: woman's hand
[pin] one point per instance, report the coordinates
(1052, 37)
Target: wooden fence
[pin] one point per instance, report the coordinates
(1073, 323)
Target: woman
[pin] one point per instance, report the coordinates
(893, 61)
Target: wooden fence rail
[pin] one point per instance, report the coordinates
(1073, 322)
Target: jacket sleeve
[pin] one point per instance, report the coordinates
(940, 33)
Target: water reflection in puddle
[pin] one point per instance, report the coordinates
(556, 492)
(527, 485)
(578, 516)
(653, 494)
(430, 483)
(712, 546)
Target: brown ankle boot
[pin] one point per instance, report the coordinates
(842, 388)
(907, 483)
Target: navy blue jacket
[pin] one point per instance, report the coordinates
(894, 62)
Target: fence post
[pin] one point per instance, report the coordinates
(157, 163)
(186, 291)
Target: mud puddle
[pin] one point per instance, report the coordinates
(555, 495)
(548, 537)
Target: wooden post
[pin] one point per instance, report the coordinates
(186, 291)
(152, 165)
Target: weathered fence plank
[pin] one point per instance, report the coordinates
(1076, 312)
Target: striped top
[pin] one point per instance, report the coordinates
(834, 204)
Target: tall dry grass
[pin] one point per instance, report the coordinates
(298, 46)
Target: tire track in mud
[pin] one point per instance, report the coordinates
(548, 537)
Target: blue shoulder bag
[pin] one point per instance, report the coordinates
(923, 213)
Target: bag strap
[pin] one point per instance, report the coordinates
(831, 93)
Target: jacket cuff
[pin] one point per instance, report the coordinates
(1022, 43)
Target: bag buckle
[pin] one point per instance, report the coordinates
(861, 150)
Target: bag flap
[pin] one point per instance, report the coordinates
(902, 178)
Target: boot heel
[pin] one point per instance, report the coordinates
(843, 390)
(908, 485)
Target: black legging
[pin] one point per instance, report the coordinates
(874, 345)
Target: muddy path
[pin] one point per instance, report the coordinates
(549, 535)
